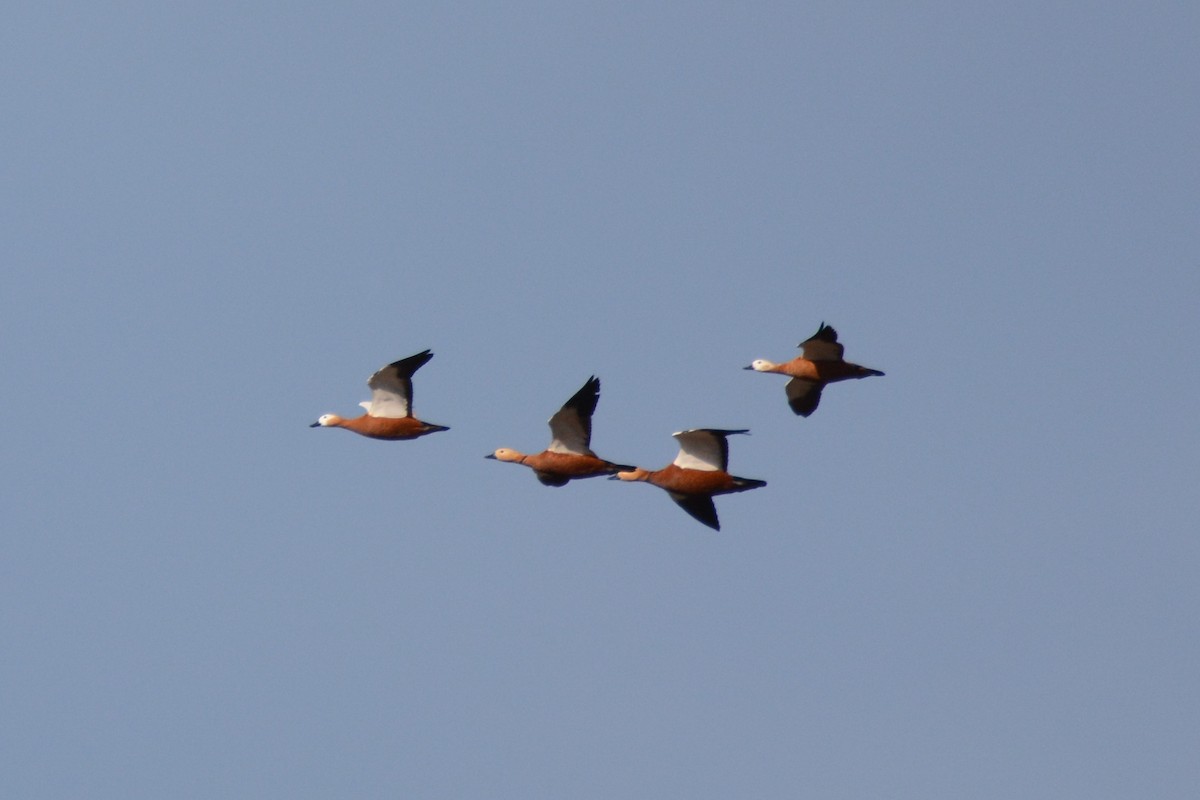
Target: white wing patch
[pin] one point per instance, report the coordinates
(568, 434)
(571, 425)
(700, 449)
(387, 404)
(391, 394)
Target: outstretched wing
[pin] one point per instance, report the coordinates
(391, 387)
(822, 345)
(571, 425)
(703, 448)
(803, 396)
(700, 506)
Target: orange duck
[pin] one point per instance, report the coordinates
(389, 411)
(569, 456)
(697, 474)
(820, 363)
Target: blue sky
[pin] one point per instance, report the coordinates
(974, 577)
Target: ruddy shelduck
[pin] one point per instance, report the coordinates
(697, 474)
(820, 363)
(569, 456)
(389, 411)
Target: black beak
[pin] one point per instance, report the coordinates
(315, 425)
(748, 367)
(491, 456)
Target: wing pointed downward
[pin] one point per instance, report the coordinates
(391, 387)
(803, 396)
(700, 507)
(571, 425)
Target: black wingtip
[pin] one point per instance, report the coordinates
(552, 480)
(586, 399)
(803, 407)
(825, 333)
(726, 432)
(699, 508)
(407, 366)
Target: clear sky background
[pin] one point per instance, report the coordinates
(974, 577)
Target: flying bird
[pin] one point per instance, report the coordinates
(569, 456)
(389, 411)
(697, 474)
(820, 363)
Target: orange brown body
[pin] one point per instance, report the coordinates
(698, 474)
(389, 411)
(556, 469)
(819, 364)
(822, 372)
(678, 480)
(388, 428)
(569, 456)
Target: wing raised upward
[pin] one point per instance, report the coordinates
(822, 345)
(391, 387)
(571, 425)
(704, 448)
